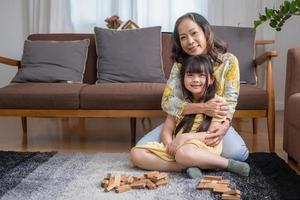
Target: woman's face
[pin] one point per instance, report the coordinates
(192, 38)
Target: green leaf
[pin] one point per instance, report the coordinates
(278, 29)
(286, 7)
(277, 17)
(280, 24)
(282, 9)
(298, 3)
(267, 13)
(263, 17)
(286, 17)
(271, 12)
(273, 23)
(293, 7)
(257, 23)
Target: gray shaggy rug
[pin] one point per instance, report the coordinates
(35, 175)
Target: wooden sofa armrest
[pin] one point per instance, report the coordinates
(265, 56)
(9, 61)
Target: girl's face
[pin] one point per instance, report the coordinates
(195, 83)
(192, 38)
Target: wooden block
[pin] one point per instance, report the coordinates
(124, 178)
(151, 174)
(161, 176)
(123, 183)
(213, 177)
(231, 197)
(104, 183)
(136, 178)
(162, 182)
(138, 185)
(233, 192)
(150, 184)
(210, 185)
(117, 180)
(108, 175)
(206, 186)
(201, 186)
(224, 181)
(130, 179)
(221, 189)
(122, 188)
(205, 181)
(110, 184)
(114, 181)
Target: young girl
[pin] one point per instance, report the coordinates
(183, 137)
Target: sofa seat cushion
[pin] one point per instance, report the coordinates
(252, 98)
(122, 96)
(40, 96)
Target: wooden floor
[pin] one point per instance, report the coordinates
(111, 135)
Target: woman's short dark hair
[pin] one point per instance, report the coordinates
(215, 46)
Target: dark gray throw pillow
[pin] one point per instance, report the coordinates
(241, 42)
(53, 61)
(129, 55)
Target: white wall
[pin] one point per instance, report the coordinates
(11, 36)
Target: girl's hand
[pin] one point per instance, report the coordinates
(171, 149)
(216, 108)
(175, 144)
(216, 134)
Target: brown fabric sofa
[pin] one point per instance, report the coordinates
(131, 100)
(292, 105)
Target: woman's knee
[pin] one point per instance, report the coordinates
(238, 152)
(234, 146)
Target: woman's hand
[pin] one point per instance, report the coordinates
(216, 134)
(216, 108)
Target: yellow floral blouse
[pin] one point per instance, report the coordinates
(228, 78)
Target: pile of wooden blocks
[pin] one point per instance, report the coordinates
(122, 182)
(219, 185)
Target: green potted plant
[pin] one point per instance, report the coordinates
(277, 17)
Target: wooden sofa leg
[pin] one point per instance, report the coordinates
(254, 125)
(271, 129)
(271, 106)
(24, 128)
(133, 131)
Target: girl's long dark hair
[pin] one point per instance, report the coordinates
(197, 64)
(215, 46)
